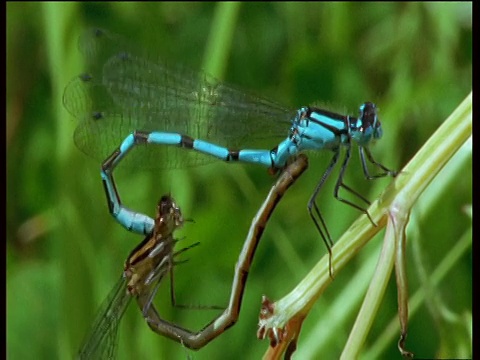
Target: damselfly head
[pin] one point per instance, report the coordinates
(368, 124)
(168, 213)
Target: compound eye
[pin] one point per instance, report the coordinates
(368, 116)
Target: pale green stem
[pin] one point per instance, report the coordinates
(400, 196)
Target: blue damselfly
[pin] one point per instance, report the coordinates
(138, 98)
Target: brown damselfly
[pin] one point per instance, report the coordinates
(152, 259)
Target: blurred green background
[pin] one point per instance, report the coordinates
(65, 252)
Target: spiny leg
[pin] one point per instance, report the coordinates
(364, 151)
(155, 275)
(340, 184)
(173, 299)
(166, 264)
(387, 172)
(148, 303)
(312, 204)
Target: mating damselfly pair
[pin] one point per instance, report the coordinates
(128, 98)
(154, 257)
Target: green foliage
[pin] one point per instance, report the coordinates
(65, 252)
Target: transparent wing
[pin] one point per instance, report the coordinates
(125, 90)
(101, 341)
